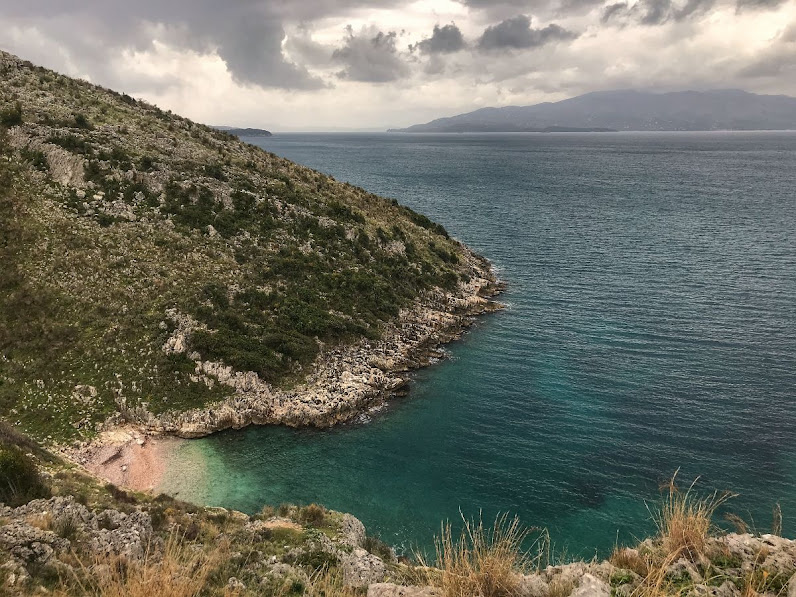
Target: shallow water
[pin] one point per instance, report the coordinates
(651, 326)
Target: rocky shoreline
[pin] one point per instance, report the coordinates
(345, 381)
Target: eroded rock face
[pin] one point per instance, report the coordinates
(108, 532)
(353, 531)
(345, 381)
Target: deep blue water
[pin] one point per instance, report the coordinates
(651, 326)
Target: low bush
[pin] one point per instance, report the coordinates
(313, 514)
(20, 481)
(11, 116)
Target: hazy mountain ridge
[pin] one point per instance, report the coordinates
(629, 110)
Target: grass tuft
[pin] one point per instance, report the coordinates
(178, 572)
(482, 561)
(685, 519)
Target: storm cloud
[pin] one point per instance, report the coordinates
(517, 33)
(444, 40)
(342, 63)
(370, 56)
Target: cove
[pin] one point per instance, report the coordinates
(651, 325)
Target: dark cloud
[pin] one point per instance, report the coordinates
(654, 12)
(742, 5)
(444, 40)
(517, 33)
(247, 34)
(502, 9)
(370, 56)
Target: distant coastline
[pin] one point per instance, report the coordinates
(245, 132)
(629, 110)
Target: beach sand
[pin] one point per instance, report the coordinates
(128, 458)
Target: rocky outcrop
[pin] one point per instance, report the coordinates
(361, 568)
(344, 382)
(42, 528)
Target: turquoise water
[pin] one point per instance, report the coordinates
(651, 325)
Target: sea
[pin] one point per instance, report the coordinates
(649, 330)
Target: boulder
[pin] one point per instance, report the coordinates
(361, 568)
(352, 531)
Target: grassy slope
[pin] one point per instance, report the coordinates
(115, 211)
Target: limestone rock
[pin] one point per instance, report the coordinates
(30, 545)
(361, 568)
(533, 585)
(352, 531)
(391, 590)
(591, 586)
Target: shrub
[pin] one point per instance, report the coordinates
(313, 514)
(66, 527)
(20, 481)
(82, 122)
(317, 559)
(36, 158)
(378, 548)
(11, 116)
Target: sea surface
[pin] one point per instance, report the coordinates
(651, 327)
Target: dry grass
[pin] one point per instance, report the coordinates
(561, 587)
(630, 559)
(684, 520)
(42, 521)
(481, 562)
(177, 572)
(328, 584)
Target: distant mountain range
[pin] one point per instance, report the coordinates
(627, 110)
(244, 132)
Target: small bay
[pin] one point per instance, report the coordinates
(651, 326)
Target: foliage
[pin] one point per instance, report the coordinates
(20, 481)
(11, 116)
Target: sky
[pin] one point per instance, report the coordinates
(313, 65)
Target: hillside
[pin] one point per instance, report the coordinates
(630, 111)
(163, 273)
